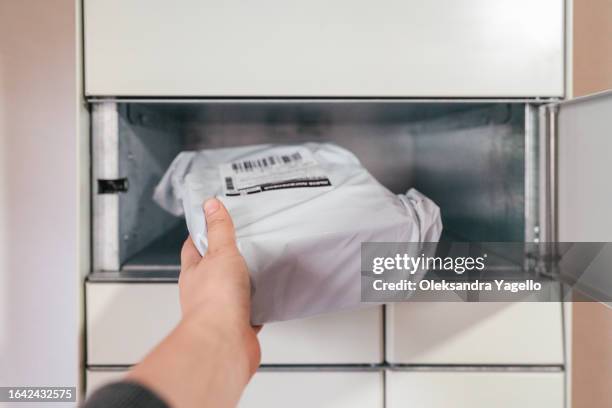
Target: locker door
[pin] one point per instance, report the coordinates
(584, 193)
(296, 389)
(387, 48)
(126, 320)
(310, 389)
(474, 389)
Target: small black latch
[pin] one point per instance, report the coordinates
(112, 186)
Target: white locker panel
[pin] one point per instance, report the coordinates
(474, 333)
(386, 48)
(338, 338)
(321, 389)
(95, 379)
(474, 389)
(125, 320)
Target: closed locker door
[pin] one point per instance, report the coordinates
(296, 389)
(474, 389)
(95, 379)
(331, 48)
(493, 333)
(126, 320)
(309, 389)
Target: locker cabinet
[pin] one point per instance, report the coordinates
(131, 294)
(394, 82)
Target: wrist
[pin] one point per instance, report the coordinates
(203, 359)
(230, 337)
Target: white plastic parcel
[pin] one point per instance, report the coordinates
(301, 213)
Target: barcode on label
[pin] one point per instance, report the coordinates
(229, 183)
(265, 162)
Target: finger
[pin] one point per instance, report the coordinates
(189, 254)
(220, 227)
(257, 329)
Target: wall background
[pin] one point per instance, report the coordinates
(592, 323)
(38, 194)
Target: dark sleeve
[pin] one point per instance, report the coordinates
(124, 395)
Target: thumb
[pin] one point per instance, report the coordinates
(220, 227)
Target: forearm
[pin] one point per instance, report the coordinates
(210, 356)
(199, 364)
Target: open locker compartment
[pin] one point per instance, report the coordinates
(478, 160)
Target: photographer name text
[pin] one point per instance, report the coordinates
(444, 285)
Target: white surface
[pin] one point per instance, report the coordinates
(96, 379)
(474, 333)
(474, 389)
(39, 284)
(329, 389)
(340, 338)
(324, 48)
(314, 389)
(125, 321)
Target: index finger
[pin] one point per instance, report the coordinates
(189, 254)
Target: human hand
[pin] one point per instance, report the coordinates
(215, 290)
(209, 357)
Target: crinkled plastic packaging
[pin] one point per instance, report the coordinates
(301, 213)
